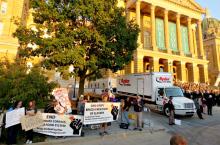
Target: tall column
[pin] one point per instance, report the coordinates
(138, 20)
(138, 63)
(195, 72)
(194, 43)
(190, 36)
(183, 71)
(206, 74)
(179, 37)
(166, 28)
(156, 64)
(199, 23)
(153, 31)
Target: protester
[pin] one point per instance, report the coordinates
(12, 131)
(196, 102)
(209, 102)
(81, 105)
(138, 108)
(125, 110)
(104, 126)
(171, 110)
(30, 111)
(178, 140)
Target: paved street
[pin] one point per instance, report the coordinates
(197, 132)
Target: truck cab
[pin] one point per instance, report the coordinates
(183, 105)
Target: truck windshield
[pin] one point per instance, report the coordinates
(174, 92)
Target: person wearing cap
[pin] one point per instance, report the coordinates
(171, 110)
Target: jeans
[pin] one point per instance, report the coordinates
(125, 118)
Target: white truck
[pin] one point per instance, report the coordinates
(149, 86)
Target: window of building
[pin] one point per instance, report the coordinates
(147, 40)
(4, 7)
(1, 28)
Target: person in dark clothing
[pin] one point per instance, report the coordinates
(199, 113)
(138, 108)
(171, 110)
(209, 102)
(12, 131)
(30, 111)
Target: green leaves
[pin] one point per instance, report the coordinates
(88, 34)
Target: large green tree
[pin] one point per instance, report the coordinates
(88, 34)
(18, 82)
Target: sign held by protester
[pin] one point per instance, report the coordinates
(13, 117)
(101, 112)
(60, 125)
(31, 122)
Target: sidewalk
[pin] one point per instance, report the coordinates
(151, 126)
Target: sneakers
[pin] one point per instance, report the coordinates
(29, 142)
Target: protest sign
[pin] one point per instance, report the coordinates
(31, 122)
(13, 117)
(62, 97)
(101, 112)
(60, 125)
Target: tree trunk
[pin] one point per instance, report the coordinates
(81, 86)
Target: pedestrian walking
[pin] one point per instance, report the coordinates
(171, 110)
(30, 111)
(138, 108)
(209, 104)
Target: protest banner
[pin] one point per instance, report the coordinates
(101, 112)
(31, 122)
(62, 97)
(60, 125)
(13, 117)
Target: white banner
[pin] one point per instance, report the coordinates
(101, 112)
(61, 125)
(13, 117)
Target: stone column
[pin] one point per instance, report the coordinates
(153, 31)
(206, 73)
(199, 26)
(183, 71)
(190, 36)
(179, 37)
(195, 44)
(166, 30)
(138, 63)
(195, 73)
(156, 64)
(138, 19)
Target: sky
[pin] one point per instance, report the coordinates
(212, 5)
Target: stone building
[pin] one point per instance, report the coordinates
(170, 40)
(11, 11)
(211, 35)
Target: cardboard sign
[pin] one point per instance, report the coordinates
(60, 125)
(101, 112)
(13, 117)
(31, 122)
(64, 104)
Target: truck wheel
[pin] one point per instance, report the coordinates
(166, 111)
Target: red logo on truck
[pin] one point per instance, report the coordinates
(124, 82)
(163, 79)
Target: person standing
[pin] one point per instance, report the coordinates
(171, 110)
(199, 113)
(104, 126)
(209, 102)
(12, 131)
(138, 108)
(125, 110)
(30, 111)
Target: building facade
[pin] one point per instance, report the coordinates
(211, 35)
(11, 11)
(170, 40)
